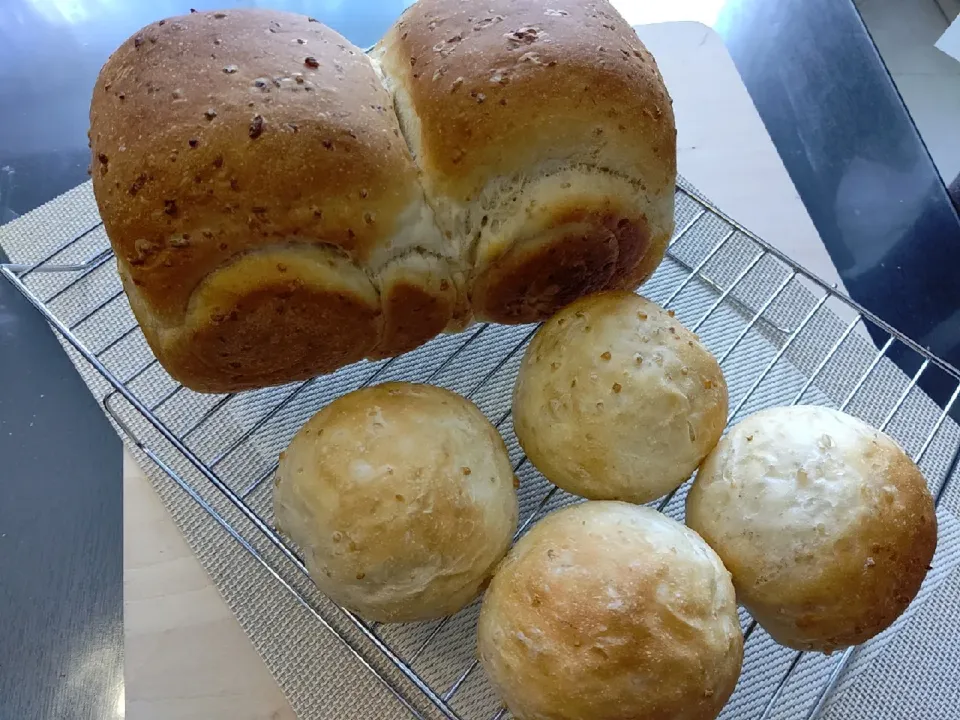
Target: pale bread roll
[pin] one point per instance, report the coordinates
(826, 525)
(401, 498)
(616, 400)
(614, 611)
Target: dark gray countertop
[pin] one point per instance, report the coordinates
(818, 83)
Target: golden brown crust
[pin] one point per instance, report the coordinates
(490, 81)
(616, 400)
(522, 115)
(239, 335)
(419, 301)
(221, 135)
(534, 279)
(828, 544)
(401, 497)
(609, 610)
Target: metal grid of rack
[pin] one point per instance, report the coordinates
(781, 336)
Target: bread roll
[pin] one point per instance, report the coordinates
(271, 224)
(546, 142)
(263, 206)
(826, 525)
(401, 498)
(616, 400)
(614, 611)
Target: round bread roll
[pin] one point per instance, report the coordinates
(401, 498)
(826, 525)
(274, 218)
(614, 611)
(616, 400)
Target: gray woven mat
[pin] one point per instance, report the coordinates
(899, 674)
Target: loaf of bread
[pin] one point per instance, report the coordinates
(614, 611)
(282, 204)
(826, 525)
(401, 498)
(616, 400)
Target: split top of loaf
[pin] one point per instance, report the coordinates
(282, 204)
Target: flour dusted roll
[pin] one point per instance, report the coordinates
(614, 611)
(826, 525)
(616, 400)
(263, 206)
(401, 498)
(546, 142)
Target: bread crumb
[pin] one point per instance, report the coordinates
(639, 359)
(642, 316)
(870, 562)
(671, 313)
(465, 470)
(361, 576)
(606, 355)
(617, 388)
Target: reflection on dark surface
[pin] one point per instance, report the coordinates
(858, 164)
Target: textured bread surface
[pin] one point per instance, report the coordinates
(401, 498)
(546, 141)
(611, 611)
(826, 525)
(282, 205)
(616, 400)
(265, 212)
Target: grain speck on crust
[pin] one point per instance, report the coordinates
(256, 127)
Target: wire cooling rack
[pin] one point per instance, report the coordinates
(781, 335)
